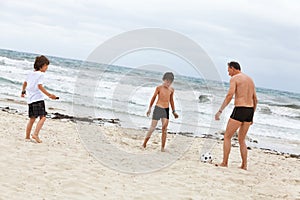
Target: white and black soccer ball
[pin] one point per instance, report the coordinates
(206, 157)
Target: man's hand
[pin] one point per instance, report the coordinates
(217, 115)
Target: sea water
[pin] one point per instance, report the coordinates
(97, 90)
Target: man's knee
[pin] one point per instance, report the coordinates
(228, 136)
(241, 141)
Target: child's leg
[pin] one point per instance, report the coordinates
(38, 128)
(29, 127)
(151, 129)
(165, 123)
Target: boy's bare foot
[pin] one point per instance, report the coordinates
(221, 165)
(36, 138)
(162, 150)
(144, 145)
(244, 167)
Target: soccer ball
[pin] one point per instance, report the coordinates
(206, 157)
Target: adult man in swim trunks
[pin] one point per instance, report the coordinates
(243, 88)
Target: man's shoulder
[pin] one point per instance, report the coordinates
(245, 76)
(239, 76)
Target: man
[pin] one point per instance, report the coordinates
(243, 88)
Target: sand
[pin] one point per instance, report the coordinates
(64, 167)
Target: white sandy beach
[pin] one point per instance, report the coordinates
(62, 168)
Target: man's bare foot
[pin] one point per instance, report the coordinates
(36, 138)
(162, 150)
(144, 145)
(221, 165)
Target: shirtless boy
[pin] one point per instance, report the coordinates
(165, 95)
(243, 88)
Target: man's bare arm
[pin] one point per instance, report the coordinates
(254, 100)
(227, 99)
(229, 95)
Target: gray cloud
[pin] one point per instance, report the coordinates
(263, 35)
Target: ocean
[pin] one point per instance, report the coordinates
(97, 90)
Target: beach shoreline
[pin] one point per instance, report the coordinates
(62, 167)
(56, 113)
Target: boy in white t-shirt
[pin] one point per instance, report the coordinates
(35, 99)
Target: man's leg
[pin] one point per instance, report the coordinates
(231, 128)
(165, 123)
(38, 128)
(29, 127)
(243, 147)
(151, 129)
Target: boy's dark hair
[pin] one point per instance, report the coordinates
(168, 76)
(235, 65)
(40, 61)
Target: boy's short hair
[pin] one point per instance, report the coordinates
(235, 65)
(168, 76)
(40, 61)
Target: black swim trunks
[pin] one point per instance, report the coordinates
(243, 114)
(37, 109)
(159, 113)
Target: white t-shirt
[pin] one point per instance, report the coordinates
(33, 79)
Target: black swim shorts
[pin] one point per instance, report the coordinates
(159, 113)
(37, 109)
(243, 114)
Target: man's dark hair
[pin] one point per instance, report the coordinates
(235, 65)
(168, 76)
(40, 61)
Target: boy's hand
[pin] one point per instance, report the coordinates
(52, 96)
(148, 112)
(23, 93)
(175, 115)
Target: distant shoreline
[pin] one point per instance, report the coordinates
(102, 121)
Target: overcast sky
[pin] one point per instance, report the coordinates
(263, 35)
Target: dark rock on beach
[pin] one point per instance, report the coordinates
(84, 119)
(294, 156)
(9, 110)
